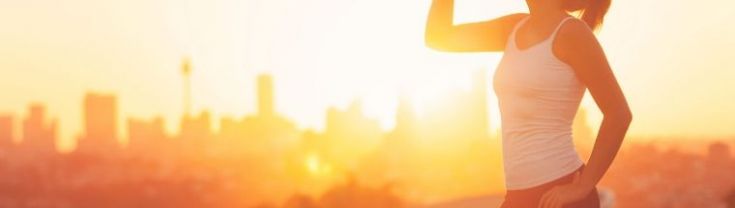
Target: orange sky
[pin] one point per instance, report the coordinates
(672, 58)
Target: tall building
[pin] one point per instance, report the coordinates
(718, 151)
(186, 72)
(231, 129)
(351, 134)
(266, 130)
(6, 130)
(405, 116)
(196, 128)
(100, 122)
(38, 134)
(195, 134)
(145, 135)
(265, 96)
(192, 128)
(351, 121)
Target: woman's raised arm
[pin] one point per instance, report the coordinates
(441, 33)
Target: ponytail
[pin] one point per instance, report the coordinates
(591, 12)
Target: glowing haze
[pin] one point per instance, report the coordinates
(671, 58)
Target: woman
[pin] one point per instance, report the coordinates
(550, 59)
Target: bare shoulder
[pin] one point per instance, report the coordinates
(575, 32)
(513, 18)
(575, 37)
(505, 24)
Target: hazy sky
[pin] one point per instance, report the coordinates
(672, 58)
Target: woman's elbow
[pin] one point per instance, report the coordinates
(627, 115)
(624, 117)
(435, 40)
(621, 116)
(431, 41)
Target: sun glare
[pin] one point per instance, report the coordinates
(315, 166)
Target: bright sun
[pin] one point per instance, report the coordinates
(315, 166)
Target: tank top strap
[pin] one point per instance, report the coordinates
(558, 27)
(512, 37)
(520, 23)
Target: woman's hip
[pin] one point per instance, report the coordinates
(530, 197)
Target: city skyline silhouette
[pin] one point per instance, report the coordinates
(352, 157)
(333, 104)
(138, 58)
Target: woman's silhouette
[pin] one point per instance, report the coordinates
(550, 59)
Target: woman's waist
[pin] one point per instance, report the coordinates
(539, 148)
(527, 172)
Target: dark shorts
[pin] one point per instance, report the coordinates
(529, 198)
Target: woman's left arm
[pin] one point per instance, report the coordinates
(577, 46)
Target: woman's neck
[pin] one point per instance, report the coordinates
(546, 9)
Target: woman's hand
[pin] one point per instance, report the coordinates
(562, 195)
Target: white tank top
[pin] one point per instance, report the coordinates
(538, 96)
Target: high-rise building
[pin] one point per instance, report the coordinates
(196, 133)
(231, 129)
(6, 130)
(186, 72)
(38, 135)
(100, 122)
(265, 96)
(196, 128)
(718, 151)
(266, 130)
(405, 129)
(405, 116)
(145, 135)
(351, 134)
